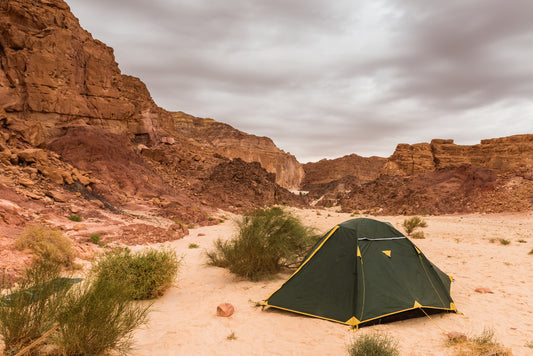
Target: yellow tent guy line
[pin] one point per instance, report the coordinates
(429, 279)
(305, 262)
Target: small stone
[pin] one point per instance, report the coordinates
(26, 182)
(201, 234)
(483, 290)
(225, 310)
(79, 227)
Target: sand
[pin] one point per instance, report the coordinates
(184, 320)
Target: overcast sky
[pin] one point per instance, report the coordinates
(326, 78)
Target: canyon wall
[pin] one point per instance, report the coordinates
(232, 143)
(512, 154)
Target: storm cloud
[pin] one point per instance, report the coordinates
(324, 79)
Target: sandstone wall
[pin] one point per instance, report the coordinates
(53, 73)
(232, 143)
(512, 154)
(324, 171)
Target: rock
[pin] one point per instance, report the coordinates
(26, 182)
(79, 227)
(225, 309)
(483, 290)
(201, 234)
(58, 196)
(32, 155)
(455, 336)
(168, 140)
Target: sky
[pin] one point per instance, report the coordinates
(323, 78)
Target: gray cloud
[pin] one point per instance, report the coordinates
(325, 79)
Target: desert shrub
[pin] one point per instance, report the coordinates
(412, 223)
(193, 245)
(46, 244)
(267, 241)
(27, 310)
(75, 218)
(504, 241)
(482, 345)
(418, 235)
(530, 252)
(95, 238)
(98, 316)
(373, 344)
(147, 273)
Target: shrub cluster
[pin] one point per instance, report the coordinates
(268, 240)
(147, 274)
(373, 344)
(91, 317)
(46, 244)
(411, 224)
(484, 344)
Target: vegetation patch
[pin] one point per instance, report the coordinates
(504, 241)
(27, 310)
(98, 316)
(75, 218)
(46, 244)
(193, 245)
(267, 241)
(96, 238)
(411, 224)
(147, 274)
(482, 345)
(374, 344)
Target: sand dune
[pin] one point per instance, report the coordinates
(184, 320)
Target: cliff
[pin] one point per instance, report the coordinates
(53, 73)
(513, 154)
(232, 143)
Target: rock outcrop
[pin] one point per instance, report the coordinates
(512, 154)
(327, 170)
(232, 143)
(53, 73)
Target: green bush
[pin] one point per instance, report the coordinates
(46, 244)
(268, 240)
(504, 241)
(373, 344)
(26, 312)
(75, 218)
(412, 223)
(96, 238)
(147, 273)
(98, 316)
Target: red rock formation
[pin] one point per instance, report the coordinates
(52, 73)
(513, 154)
(232, 143)
(324, 171)
(462, 189)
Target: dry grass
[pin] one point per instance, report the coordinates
(482, 345)
(46, 244)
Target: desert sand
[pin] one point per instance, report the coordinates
(184, 320)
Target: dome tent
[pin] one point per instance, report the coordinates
(361, 272)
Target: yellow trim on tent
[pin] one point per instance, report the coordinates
(417, 305)
(453, 307)
(351, 320)
(305, 262)
(451, 277)
(417, 250)
(359, 252)
(387, 252)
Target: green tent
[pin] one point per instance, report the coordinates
(362, 272)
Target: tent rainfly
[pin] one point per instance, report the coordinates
(362, 272)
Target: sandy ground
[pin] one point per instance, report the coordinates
(184, 320)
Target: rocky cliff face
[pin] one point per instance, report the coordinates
(325, 171)
(513, 154)
(53, 73)
(232, 143)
